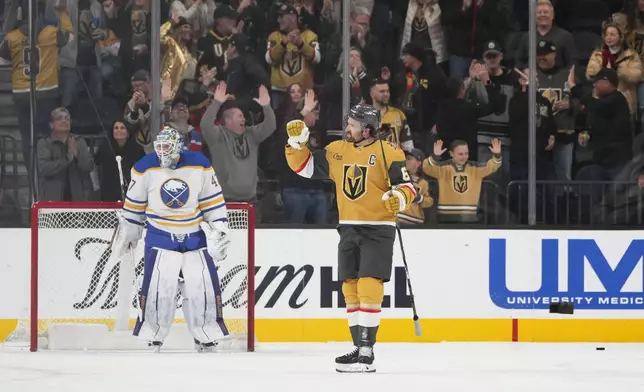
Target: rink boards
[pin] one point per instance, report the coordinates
(470, 285)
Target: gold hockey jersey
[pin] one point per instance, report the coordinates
(47, 72)
(290, 64)
(400, 132)
(360, 177)
(459, 186)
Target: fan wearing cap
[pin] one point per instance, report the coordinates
(421, 87)
(292, 53)
(197, 12)
(415, 214)
(180, 53)
(495, 125)
(555, 85)
(214, 44)
(137, 110)
(610, 124)
(244, 73)
(179, 120)
(372, 187)
(615, 55)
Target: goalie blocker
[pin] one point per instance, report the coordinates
(367, 208)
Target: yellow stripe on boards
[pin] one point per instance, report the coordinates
(6, 327)
(581, 330)
(434, 330)
(391, 330)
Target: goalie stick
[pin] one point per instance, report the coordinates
(417, 329)
(126, 271)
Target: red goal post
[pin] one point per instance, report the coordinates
(74, 279)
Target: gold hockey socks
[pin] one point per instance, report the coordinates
(371, 292)
(350, 292)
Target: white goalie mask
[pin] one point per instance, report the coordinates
(168, 147)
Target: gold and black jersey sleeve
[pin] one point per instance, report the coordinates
(400, 133)
(360, 176)
(307, 163)
(459, 185)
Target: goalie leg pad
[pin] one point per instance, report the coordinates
(371, 292)
(203, 307)
(157, 297)
(350, 292)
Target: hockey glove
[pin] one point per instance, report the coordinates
(395, 201)
(217, 239)
(126, 237)
(298, 134)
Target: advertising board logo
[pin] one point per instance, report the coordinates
(581, 252)
(283, 286)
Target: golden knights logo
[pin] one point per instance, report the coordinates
(292, 63)
(460, 184)
(354, 181)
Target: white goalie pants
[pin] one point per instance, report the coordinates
(202, 304)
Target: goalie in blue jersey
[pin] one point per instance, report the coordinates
(177, 192)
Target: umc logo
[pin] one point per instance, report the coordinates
(584, 258)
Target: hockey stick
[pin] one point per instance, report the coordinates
(126, 271)
(417, 329)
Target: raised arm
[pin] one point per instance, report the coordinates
(298, 156)
(208, 128)
(262, 131)
(276, 48)
(432, 166)
(489, 167)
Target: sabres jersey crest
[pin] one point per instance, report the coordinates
(175, 200)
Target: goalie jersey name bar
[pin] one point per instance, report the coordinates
(176, 200)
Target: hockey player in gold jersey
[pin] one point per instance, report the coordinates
(460, 180)
(367, 207)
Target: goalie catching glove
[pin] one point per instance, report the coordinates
(217, 239)
(395, 201)
(298, 134)
(126, 237)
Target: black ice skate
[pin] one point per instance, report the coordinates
(205, 347)
(343, 363)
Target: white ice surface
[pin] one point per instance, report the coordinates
(497, 367)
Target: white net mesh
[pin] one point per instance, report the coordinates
(78, 279)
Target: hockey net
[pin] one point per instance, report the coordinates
(75, 279)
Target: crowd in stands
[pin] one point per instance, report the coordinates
(233, 73)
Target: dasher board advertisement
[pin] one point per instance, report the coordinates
(469, 284)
